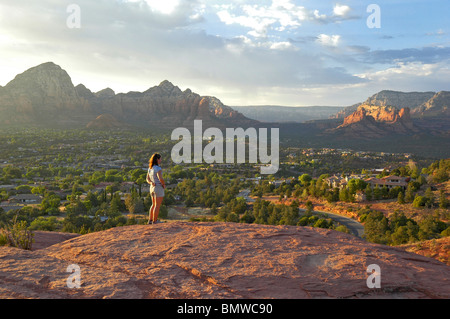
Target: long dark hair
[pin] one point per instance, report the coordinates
(154, 160)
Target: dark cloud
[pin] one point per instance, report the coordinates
(423, 55)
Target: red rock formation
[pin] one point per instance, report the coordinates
(357, 116)
(46, 93)
(370, 121)
(219, 260)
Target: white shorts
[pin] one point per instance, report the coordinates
(158, 190)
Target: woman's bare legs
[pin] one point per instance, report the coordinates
(158, 206)
(154, 210)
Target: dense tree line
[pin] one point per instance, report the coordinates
(398, 229)
(267, 213)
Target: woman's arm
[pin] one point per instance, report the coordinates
(161, 179)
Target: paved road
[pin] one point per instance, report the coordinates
(355, 228)
(246, 193)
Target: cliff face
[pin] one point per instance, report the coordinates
(370, 121)
(46, 93)
(39, 92)
(400, 100)
(438, 105)
(386, 98)
(219, 260)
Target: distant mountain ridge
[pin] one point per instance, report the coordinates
(46, 94)
(415, 101)
(286, 114)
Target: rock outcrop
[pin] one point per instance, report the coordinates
(370, 121)
(46, 94)
(399, 100)
(40, 92)
(438, 106)
(411, 100)
(219, 260)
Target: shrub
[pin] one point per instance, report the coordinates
(16, 235)
(419, 201)
(446, 232)
(343, 229)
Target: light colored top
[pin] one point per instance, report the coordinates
(153, 175)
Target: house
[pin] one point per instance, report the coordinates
(391, 181)
(277, 183)
(336, 181)
(333, 181)
(7, 187)
(26, 199)
(360, 196)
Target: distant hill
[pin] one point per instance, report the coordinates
(413, 100)
(105, 121)
(415, 122)
(45, 94)
(437, 106)
(418, 121)
(284, 114)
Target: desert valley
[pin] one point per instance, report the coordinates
(357, 185)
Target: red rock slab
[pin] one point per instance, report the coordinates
(220, 260)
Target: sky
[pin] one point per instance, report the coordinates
(270, 52)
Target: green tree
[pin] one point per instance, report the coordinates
(429, 198)
(419, 201)
(400, 236)
(430, 227)
(443, 201)
(400, 198)
(409, 194)
(368, 192)
(375, 228)
(305, 179)
(309, 207)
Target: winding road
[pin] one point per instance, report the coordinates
(355, 228)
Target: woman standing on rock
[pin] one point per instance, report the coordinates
(157, 186)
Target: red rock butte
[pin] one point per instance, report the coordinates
(219, 260)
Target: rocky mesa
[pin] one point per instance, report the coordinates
(219, 260)
(371, 121)
(45, 94)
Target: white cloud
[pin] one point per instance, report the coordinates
(328, 40)
(279, 16)
(271, 50)
(319, 16)
(414, 76)
(341, 10)
(340, 13)
(162, 6)
(281, 45)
